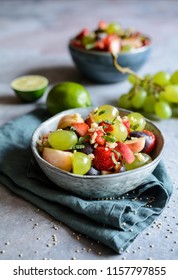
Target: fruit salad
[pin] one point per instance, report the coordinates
(108, 37)
(103, 143)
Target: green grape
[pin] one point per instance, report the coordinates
(161, 78)
(137, 121)
(138, 98)
(62, 139)
(174, 78)
(124, 101)
(147, 77)
(81, 163)
(171, 93)
(104, 113)
(141, 159)
(113, 28)
(133, 79)
(127, 48)
(88, 40)
(162, 96)
(149, 103)
(119, 132)
(163, 109)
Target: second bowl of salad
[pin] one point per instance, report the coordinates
(92, 51)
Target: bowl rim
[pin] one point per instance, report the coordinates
(107, 54)
(97, 177)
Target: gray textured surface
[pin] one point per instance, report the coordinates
(33, 39)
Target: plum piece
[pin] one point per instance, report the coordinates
(88, 149)
(93, 171)
(150, 139)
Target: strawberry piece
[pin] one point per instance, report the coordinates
(125, 151)
(98, 137)
(83, 33)
(103, 158)
(150, 142)
(81, 128)
(89, 121)
(107, 127)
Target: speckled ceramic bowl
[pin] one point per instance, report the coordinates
(98, 66)
(96, 186)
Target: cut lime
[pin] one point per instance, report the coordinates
(30, 88)
(67, 95)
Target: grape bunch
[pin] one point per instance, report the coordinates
(153, 94)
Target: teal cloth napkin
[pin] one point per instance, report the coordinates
(115, 223)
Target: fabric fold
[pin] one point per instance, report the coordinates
(115, 223)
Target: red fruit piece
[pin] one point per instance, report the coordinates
(100, 45)
(98, 137)
(76, 43)
(89, 121)
(102, 25)
(83, 33)
(81, 128)
(113, 44)
(126, 122)
(150, 142)
(125, 151)
(107, 127)
(103, 158)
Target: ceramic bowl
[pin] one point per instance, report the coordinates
(98, 66)
(101, 186)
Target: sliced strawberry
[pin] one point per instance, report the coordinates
(89, 120)
(103, 158)
(81, 128)
(150, 142)
(125, 151)
(107, 127)
(97, 137)
(83, 33)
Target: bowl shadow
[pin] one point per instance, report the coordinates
(9, 99)
(57, 74)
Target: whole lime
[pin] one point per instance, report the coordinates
(67, 95)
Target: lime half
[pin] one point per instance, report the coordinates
(30, 88)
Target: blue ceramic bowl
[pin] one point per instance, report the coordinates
(95, 186)
(98, 66)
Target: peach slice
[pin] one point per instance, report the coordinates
(68, 120)
(136, 144)
(125, 151)
(57, 158)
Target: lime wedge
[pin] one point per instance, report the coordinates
(30, 88)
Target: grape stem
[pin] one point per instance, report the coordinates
(121, 69)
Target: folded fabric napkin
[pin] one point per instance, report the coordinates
(115, 223)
